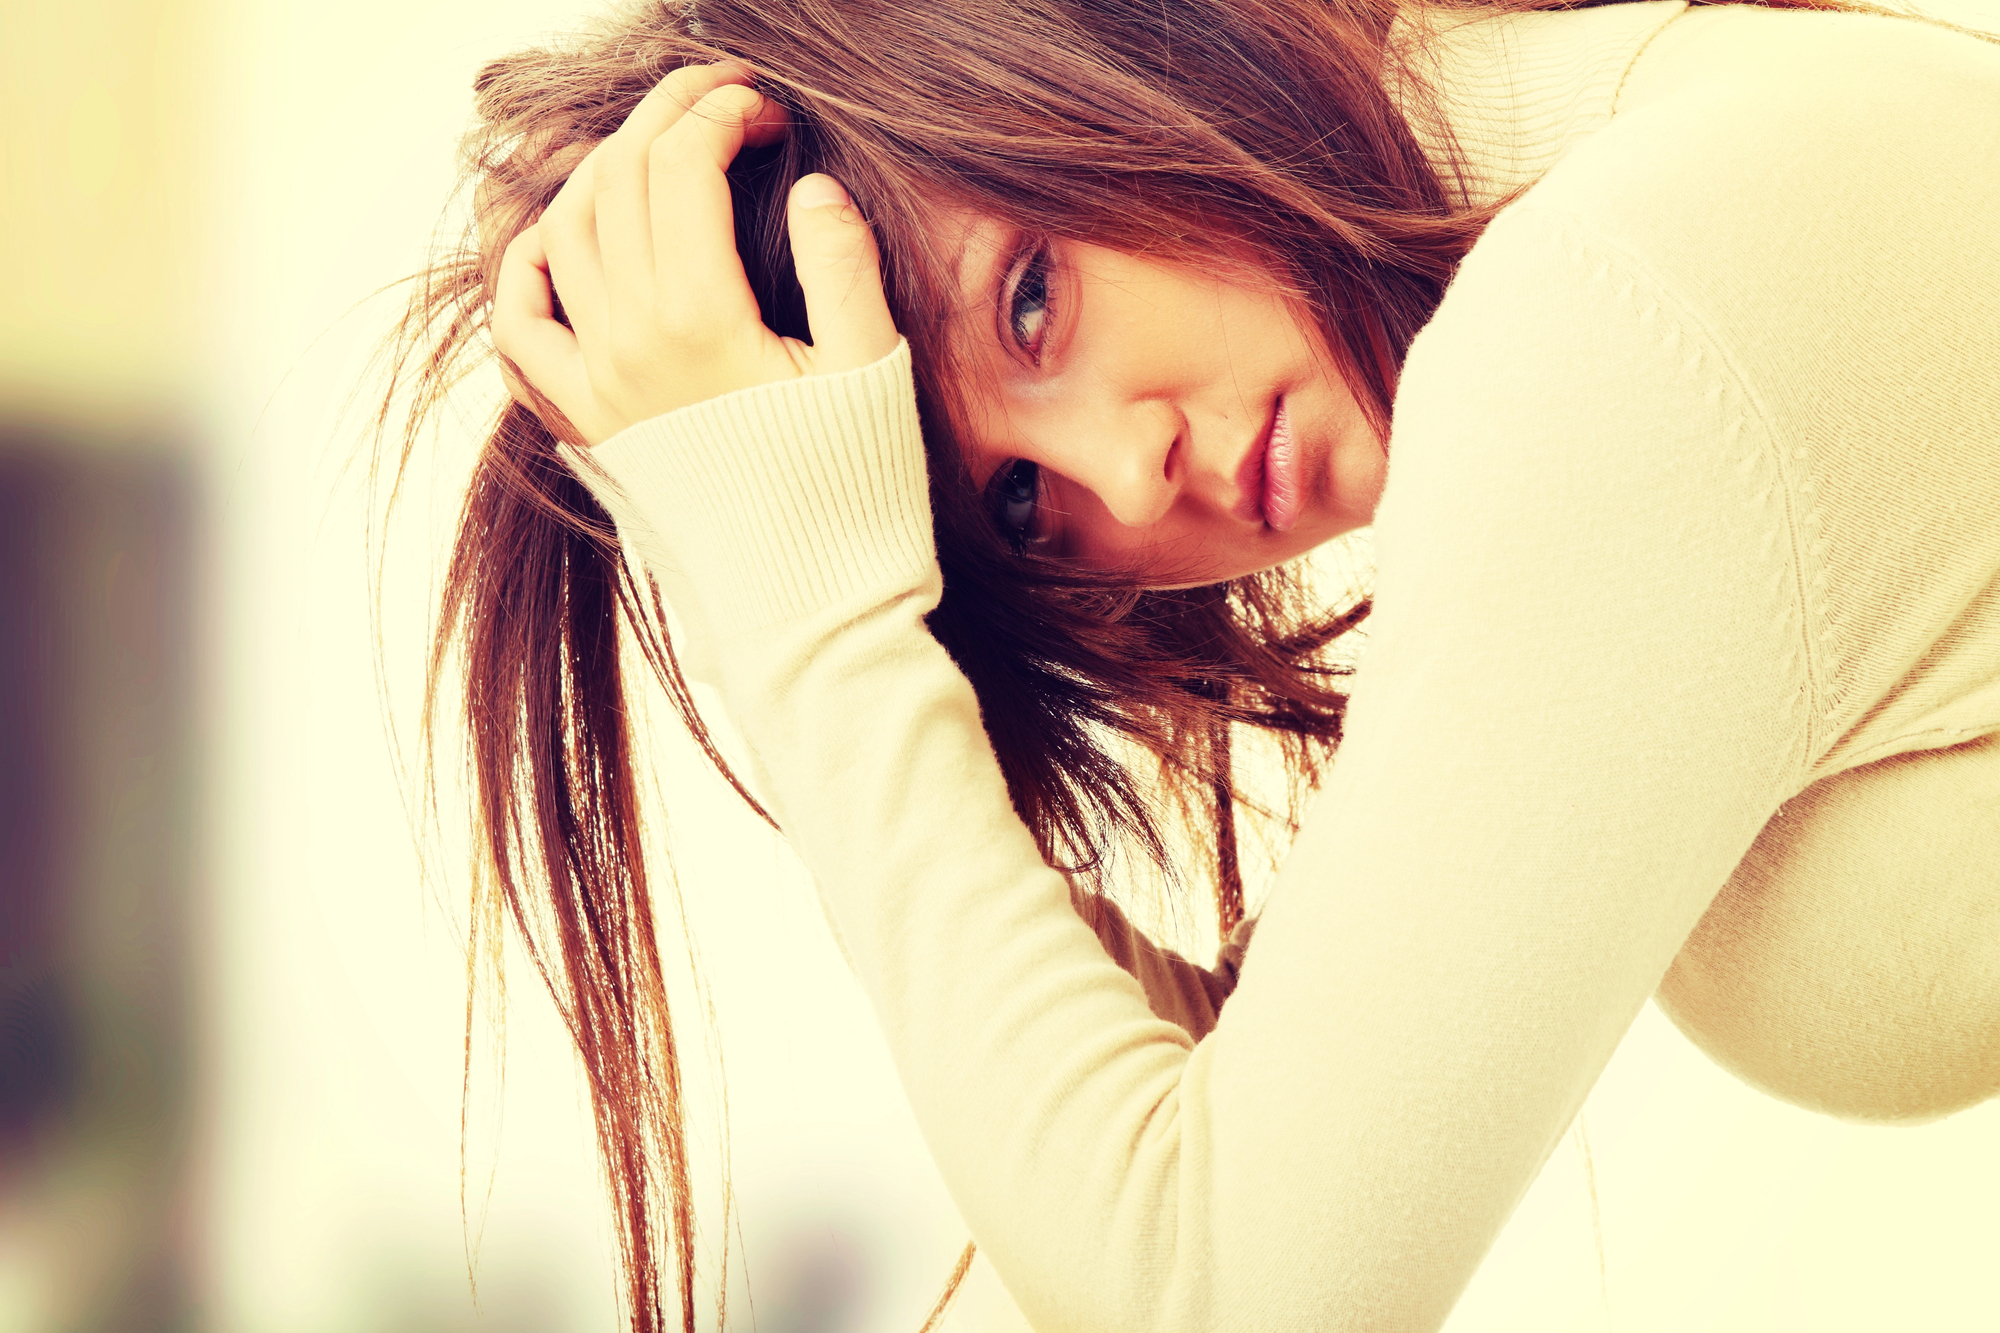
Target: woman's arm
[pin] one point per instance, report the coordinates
(1587, 688)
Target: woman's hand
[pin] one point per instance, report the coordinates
(640, 246)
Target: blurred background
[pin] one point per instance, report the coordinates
(232, 994)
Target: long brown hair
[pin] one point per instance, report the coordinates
(1258, 130)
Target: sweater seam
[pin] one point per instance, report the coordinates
(1625, 74)
(1799, 516)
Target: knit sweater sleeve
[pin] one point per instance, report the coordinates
(1585, 692)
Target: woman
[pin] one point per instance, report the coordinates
(1683, 666)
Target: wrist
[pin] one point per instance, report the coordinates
(780, 500)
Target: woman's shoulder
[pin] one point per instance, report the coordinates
(1800, 206)
(1789, 141)
(1814, 193)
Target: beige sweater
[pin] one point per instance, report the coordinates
(1686, 656)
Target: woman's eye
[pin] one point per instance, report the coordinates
(1028, 307)
(1014, 501)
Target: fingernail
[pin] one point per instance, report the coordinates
(817, 191)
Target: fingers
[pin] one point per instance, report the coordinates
(840, 273)
(693, 219)
(656, 187)
(624, 233)
(670, 99)
(638, 249)
(525, 330)
(567, 235)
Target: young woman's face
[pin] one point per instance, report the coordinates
(1149, 418)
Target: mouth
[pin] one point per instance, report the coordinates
(1282, 496)
(1268, 478)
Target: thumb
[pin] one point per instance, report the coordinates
(840, 273)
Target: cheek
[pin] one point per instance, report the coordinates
(1176, 552)
(1357, 470)
(1086, 532)
(1148, 326)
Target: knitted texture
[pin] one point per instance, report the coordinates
(779, 499)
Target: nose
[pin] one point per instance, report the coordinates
(1128, 455)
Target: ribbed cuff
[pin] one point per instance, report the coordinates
(781, 500)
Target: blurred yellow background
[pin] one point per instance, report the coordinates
(231, 1006)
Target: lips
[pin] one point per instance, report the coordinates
(1282, 497)
(1267, 480)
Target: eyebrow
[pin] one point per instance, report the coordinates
(996, 256)
(958, 261)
